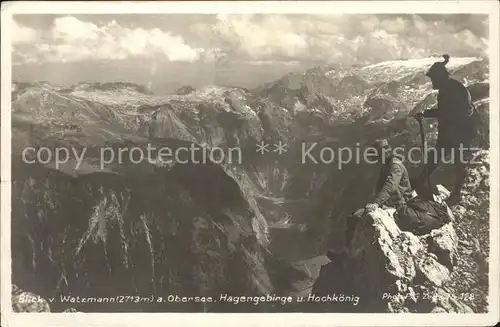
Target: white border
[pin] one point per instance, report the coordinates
(292, 319)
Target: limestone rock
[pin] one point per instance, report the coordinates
(444, 242)
(433, 271)
(70, 310)
(396, 271)
(28, 302)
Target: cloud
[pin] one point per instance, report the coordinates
(265, 38)
(69, 29)
(70, 39)
(22, 34)
(259, 38)
(342, 38)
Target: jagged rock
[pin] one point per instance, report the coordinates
(185, 90)
(444, 242)
(28, 302)
(349, 86)
(444, 302)
(110, 86)
(384, 107)
(70, 310)
(438, 310)
(433, 271)
(384, 235)
(391, 269)
(412, 243)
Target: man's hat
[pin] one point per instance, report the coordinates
(438, 69)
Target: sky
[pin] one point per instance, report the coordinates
(166, 51)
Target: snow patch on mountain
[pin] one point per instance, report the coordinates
(422, 63)
(413, 69)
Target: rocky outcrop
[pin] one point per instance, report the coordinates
(28, 302)
(393, 270)
(185, 90)
(111, 86)
(109, 234)
(350, 86)
(383, 107)
(471, 273)
(443, 242)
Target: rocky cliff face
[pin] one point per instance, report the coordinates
(394, 271)
(186, 230)
(391, 270)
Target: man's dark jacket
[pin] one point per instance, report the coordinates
(393, 187)
(457, 119)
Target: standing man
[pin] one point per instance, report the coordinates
(457, 125)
